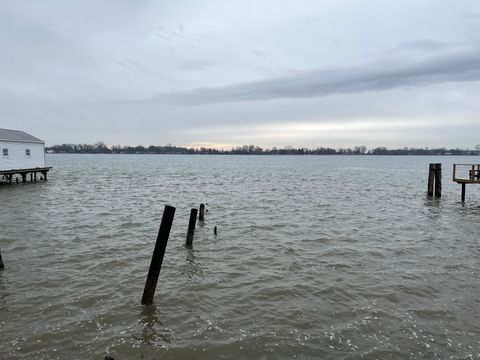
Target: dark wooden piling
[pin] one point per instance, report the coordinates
(434, 180)
(463, 191)
(431, 178)
(1, 261)
(215, 230)
(191, 226)
(201, 216)
(438, 180)
(158, 254)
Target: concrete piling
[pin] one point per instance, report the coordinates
(158, 254)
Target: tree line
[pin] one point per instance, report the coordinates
(102, 148)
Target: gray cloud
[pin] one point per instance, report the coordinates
(453, 66)
(420, 45)
(192, 64)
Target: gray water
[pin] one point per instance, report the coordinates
(316, 257)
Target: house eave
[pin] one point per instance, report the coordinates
(23, 141)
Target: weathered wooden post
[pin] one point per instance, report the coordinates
(438, 180)
(191, 227)
(215, 230)
(1, 261)
(463, 191)
(201, 216)
(158, 254)
(431, 177)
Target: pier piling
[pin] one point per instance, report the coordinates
(431, 178)
(191, 227)
(434, 180)
(438, 180)
(463, 191)
(201, 216)
(215, 230)
(1, 261)
(158, 254)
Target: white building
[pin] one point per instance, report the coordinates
(20, 151)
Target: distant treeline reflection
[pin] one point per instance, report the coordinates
(101, 148)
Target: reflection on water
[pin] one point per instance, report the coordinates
(318, 257)
(153, 331)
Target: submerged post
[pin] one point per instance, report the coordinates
(438, 180)
(1, 261)
(215, 230)
(191, 226)
(431, 177)
(158, 254)
(201, 216)
(463, 191)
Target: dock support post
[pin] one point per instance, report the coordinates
(438, 180)
(191, 227)
(35, 176)
(431, 177)
(1, 261)
(24, 177)
(158, 254)
(31, 177)
(201, 216)
(463, 191)
(215, 230)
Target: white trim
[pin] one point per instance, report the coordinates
(23, 141)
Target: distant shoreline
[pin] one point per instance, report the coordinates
(101, 148)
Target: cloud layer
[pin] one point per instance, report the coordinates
(271, 72)
(454, 66)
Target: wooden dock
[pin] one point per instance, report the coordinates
(7, 175)
(466, 174)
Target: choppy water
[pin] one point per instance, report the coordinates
(317, 257)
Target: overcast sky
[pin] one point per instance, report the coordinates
(220, 73)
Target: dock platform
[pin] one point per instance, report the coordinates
(7, 175)
(466, 174)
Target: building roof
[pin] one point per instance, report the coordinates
(18, 136)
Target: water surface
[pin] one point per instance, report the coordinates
(317, 257)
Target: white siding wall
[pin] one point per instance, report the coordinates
(16, 155)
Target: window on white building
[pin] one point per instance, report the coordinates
(27, 152)
(5, 152)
